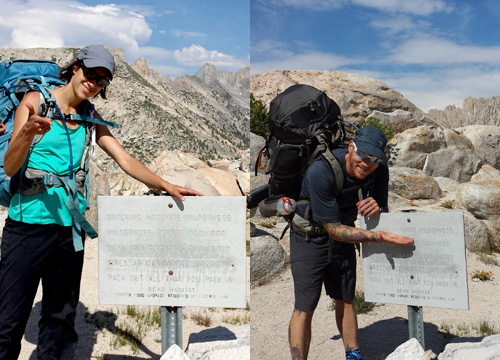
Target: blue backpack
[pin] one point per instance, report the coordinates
(17, 77)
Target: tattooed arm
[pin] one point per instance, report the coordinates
(353, 235)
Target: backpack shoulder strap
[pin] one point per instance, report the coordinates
(319, 148)
(336, 169)
(86, 118)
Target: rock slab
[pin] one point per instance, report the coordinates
(487, 349)
(228, 343)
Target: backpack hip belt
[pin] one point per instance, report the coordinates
(35, 181)
(306, 227)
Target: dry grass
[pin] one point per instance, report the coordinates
(202, 318)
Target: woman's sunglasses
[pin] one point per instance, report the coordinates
(364, 156)
(91, 74)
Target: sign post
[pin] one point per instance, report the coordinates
(432, 272)
(416, 324)
(161, 251)
(171, 327)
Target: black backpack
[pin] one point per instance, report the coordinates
(304, 123)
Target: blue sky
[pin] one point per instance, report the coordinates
(435, 52)
(175, 37)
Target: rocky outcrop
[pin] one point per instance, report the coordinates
(413, 184)
(229, 343)
(400, 120)
(481, 197)
(454, 163)
(411, 350)
(234, 85)
(411, 147)
(439, 152)
(486, 142)
(473, 112)
(267, 258)
(477, 234)
(486, 349)
(174, 352)
(358, 96)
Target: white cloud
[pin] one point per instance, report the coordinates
(399, 24)
(178, 33)
(315, 5)
(436, 51)
(197, 55)
(440, 88)
(266, 50)
(156, 53)
(57, 23)
(420, 7)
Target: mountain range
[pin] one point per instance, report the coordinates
(206, 115)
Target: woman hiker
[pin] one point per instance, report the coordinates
(38, 241)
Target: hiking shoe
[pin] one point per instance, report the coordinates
(353, 355)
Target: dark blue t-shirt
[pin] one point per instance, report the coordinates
(320, 189)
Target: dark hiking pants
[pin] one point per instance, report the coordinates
(30, 253)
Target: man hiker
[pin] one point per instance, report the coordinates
(323, 236)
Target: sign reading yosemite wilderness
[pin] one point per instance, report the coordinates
(161, 251)
(432, 273)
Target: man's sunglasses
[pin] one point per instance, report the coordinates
(364, 156)
(91, 74)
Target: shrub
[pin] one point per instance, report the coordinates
(258, 117)
(482, 275)
(362, 306)
(386, 129)
(486, 329)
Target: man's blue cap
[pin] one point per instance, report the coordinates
(371, 140)
(94, 56)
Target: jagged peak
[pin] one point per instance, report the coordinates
(141, 66)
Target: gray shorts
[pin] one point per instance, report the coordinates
(310, 270)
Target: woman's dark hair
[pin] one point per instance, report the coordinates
(66, 73)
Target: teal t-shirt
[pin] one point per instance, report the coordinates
(51, 154)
